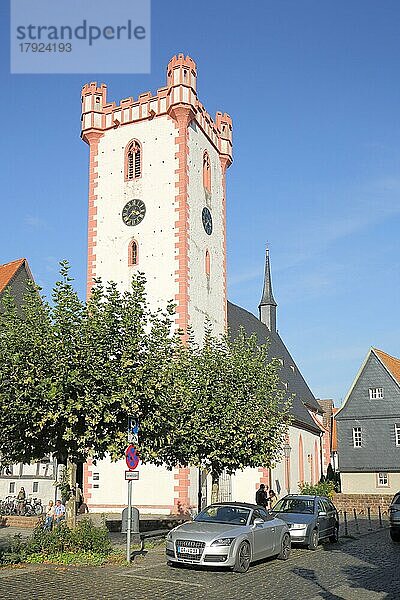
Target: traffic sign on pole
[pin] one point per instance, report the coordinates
(131, 457)
(131, 475)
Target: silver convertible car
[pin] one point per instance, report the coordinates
(230, 534)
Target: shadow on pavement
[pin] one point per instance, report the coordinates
(377, 575)
(309, 575)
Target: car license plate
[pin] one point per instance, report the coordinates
(187, 550)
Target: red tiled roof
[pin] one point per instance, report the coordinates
(391, 363)
(8, 271)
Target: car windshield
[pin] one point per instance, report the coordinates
(232, 515)
(396, 499)
(295, 505)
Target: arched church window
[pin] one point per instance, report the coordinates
(207, 263)
(206, 172)
(133, 253)
(301, 460)
(133, 160)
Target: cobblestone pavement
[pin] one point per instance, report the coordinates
(367, 568)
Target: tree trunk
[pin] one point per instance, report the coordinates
(71, 501)
(215, 487)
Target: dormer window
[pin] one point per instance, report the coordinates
(375, 393)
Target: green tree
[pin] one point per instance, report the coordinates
(225, 409)
(71, 372)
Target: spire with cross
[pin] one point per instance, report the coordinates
(267, 306)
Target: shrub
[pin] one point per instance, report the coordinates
(324, 488)
(86, 544)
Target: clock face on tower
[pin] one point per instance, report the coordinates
(133, 212)
(207, 220)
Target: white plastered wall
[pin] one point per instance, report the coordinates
(156, 233)
(367, 483)
(153, 493)
(206, 294)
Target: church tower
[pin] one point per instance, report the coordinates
(267, 306)
(157, 200)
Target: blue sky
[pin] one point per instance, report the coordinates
(314, 92)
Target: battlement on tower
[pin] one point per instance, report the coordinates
(99, 115)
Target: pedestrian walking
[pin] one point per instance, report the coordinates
(273, 498)
(21, 501)
(262, 496)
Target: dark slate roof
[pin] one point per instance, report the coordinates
(239, 317)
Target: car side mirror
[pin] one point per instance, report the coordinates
(322, 513)
(258, 522)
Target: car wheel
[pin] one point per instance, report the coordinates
(243, 557)
(335, 536)
(313, 543)
(395, 535)
(285, 547)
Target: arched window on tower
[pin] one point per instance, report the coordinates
(133, 160)
(206, 172)
(207, 263)
(133, 254)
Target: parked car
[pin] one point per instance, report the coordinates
(232, 534)
(394, 518)
(310, 518)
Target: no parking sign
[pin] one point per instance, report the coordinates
(131, 457)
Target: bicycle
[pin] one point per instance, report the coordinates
(33, 507)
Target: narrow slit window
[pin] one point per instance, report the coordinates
(207, 263)
(133, 161)
(206, 172)
(133, 254)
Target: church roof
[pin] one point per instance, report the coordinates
(391, 363)
(8, 271)
(239, 317)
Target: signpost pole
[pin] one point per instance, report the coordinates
(129, 528)
(132, 461)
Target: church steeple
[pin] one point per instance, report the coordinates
(267, 306)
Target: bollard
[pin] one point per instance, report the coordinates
(346, 531)
(380, 516)
(356, 520)
(369, 519)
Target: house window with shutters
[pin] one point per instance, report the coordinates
(357, 437)
(397, 434)
(375, 393)
(133, 161)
